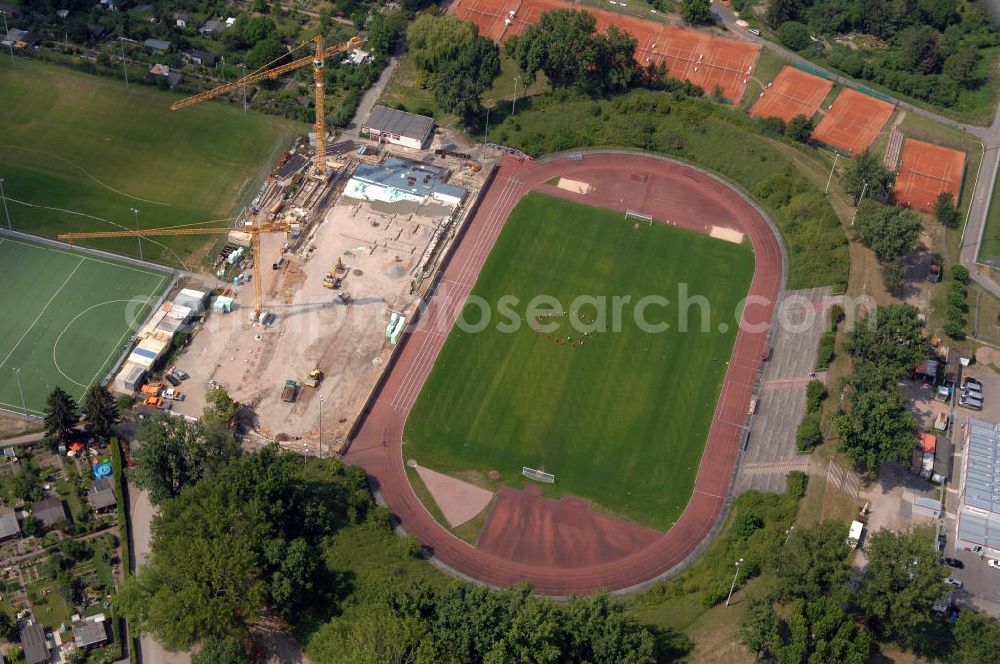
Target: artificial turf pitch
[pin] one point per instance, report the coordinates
(620, 418)
(66, 317)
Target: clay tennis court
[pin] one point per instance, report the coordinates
(527, 537)
(925, 172)
(702, 59)
(853, 121)
(792, 92)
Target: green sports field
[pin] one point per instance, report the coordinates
(78, 152)
(66, 317)
(619, 417)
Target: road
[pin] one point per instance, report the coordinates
(989, 137)
(371, 96)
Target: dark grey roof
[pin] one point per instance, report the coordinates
(943, 457)
(102, 494)
(145, 9)
(213, 26)
(205, 57)
(174, 78)
(9, 527)
(49, 511)
(88, 633)
(157, 44)
(95, 30)
(36, 648)
(400, 123)
(10, 10)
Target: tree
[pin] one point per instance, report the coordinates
(696, 11)
(877, 426)
(174, 454)
(60, 416)
(816, 394)
(809, 434)
(434, 40)
(960, 273)
(779, 11)
(465, 77)
(100, 411)
(962, 65)
(899, 588)
(220, 651)
(794, 35)
(813, 563)
(31, 526)
(945, 210)
(890, 336)
(265, 51)
(890, 231)
(614, 67)
(759, 627)
(978, 639)
(919, 49)
(868, 173)
(562, 44)
(219, 406)
(894, 276)
(237, 541)
(799, 128)
(373, 634)
(8, 630)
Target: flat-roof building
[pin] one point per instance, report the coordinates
(388, 125)
(403, 180)
(34, 644)
(9, 527)
(49, 511)
(979, 488)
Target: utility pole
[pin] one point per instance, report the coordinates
(244, 89)
(4, 198)
(513, 104)
(836, 155)
(322, 399)
(124, 65)
(864, 188)
(788, 533)
(6, 31)
(736, 576)
(486, 136)
(139, 237)
(305, 457)
(17, 376)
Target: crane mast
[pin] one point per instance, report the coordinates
(319, 74)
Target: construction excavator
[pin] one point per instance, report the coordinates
(254, 231)
(317, 60)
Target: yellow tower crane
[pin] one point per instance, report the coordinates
(318, 62)
(254, 231)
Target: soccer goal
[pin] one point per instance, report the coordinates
(638, 216)
(538, 475)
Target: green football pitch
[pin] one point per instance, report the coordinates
(79, 152)
(619, 417)
(66, 318)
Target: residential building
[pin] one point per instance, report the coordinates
(50, 512)
(388, 125)
(9, 527)
(181, 20)
(157, 45)
(200, 57)
(102, 496)
(90, 632)
(34, 644)
(212, 28)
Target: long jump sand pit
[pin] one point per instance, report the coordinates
(458, 501)
(792, 92)
(575, 186)
(528, 537)
(703, 59)
(727, 234)
(928, 170)
(853, 121)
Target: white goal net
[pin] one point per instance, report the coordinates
(638, 216)
(538, 475)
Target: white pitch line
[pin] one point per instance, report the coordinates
(41, 313)
(85, 257)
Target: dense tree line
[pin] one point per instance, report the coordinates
(930, 49)
(875, 425)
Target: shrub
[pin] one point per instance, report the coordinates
(954, 329)
(809, 434)
(957, 301)
(794, 35)
(826, 351)
(836, 317)
(960, 273)
(816, 393)
(796, 483)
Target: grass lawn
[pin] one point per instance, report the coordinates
(66, 318)
(621, 419)
(768, 65)
(79, 152)
(990, 248)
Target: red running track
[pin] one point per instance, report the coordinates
(672, 193)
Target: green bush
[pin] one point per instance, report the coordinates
(796, 483)
(957, 301)
(960, 273)
(809, 434)
(836, 317)
(794, 35)
(827, 351)
(816, 393)
(954, 329)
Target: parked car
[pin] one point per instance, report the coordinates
(954, 582)
(969, 380)
(181, 374)
(970, 402)
(973, 391)
(953, 562)
(993, 563)
(173, 380)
